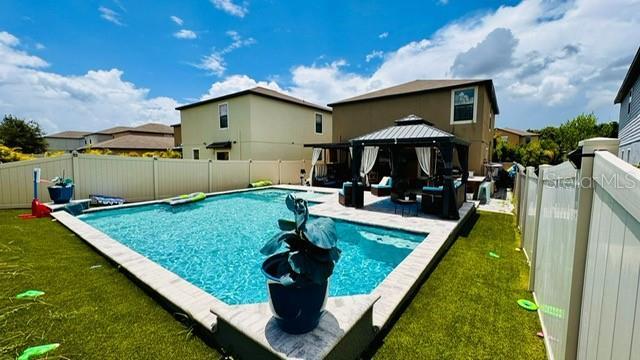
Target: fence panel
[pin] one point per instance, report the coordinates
(230, 174)
(530, 212)
(16, 180)
(555, 243)
(522, 179)
(264, 170)
(610, 320)
(181, 176)
(290, 171)
(129, 177)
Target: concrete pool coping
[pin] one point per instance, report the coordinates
(389, 296)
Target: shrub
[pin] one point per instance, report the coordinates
(8, 154)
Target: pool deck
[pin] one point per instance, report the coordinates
(349, 320)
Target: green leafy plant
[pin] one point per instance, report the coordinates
(311, 246)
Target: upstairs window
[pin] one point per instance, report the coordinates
(318, 123)
(223, 114)
(463, 105)
(630, 100)
(196, 154)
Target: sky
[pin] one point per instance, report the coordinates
(89, 65)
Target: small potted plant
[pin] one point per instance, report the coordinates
(298, 278)
(61, 189)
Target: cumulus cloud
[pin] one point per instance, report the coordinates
(237, 83)
(546, 67)
(231, 8)
(215, 63)
(383, 35)
(375, 54)
(185, 34)
(110, 15)
(176, 20)
(91, 101)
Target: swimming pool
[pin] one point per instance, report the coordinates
(215, 243)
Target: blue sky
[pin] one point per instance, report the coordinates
(92, 64)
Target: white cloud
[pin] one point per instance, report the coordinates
(443, 2)
(236, 83)
(176, 20)
(110, 15)
(215, 63)
(231, 8)
(383, 35)
(375, 54)
(185, 34)
(91, 101)
(545, 66)
(40, 46)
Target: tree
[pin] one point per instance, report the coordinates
(27, 136)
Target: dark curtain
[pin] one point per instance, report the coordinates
(356, 160)
(449, 208)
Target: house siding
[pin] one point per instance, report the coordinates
(629, 122)
(354, 119)
(625, 115)
(60, 144)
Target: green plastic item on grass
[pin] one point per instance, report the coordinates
(494, 255)
(528, 305)
(30, 294)
(34, 351)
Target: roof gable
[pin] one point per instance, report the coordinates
(632, 76)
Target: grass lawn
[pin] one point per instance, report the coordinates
(90, 308)
(467, 307)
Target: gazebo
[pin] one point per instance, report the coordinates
(412, 131)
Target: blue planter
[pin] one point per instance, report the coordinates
(60, 194)
(296, 308)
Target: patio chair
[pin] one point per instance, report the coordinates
(431, 202)
(345, 196)
(383, 188)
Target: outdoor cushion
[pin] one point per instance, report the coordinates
(385, 183)
(456, 184)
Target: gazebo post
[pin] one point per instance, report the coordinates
(356, 160)
(449, 209)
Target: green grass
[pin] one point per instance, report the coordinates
(94, 313)
(467, 307)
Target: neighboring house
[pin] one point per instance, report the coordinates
(125, 139)
(465, 108)
(516, 137)
(177, 136)
(65, 141)
(629, 122)
(257, 123)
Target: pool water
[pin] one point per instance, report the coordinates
(215, 243)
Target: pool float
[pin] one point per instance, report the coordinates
(187, 198)
(528, 305)
(261, 183)
(35, 351)
(30, 294)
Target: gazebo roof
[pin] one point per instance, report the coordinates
(410, 130)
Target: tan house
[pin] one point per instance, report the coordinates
(464, 108)
(126, 139)
(516, 137)
(65, 141)
(257, 123)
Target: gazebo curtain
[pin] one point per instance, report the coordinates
(314, 160)
(424, 158)
(369, 155)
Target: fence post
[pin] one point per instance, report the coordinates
(75, 173)
(156, 186)
(249, 181)
(536, 223)
(210, 176)
(279, 171)
(524, 209)
(583, 224)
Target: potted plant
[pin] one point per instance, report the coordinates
(298, 278)
(61, 189)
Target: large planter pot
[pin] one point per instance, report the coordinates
(60, 194)
(296, 308)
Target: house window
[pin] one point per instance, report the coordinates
(505, 138)
(196, 154)
(318, 123)
(463, 105)
(222, 155)
(630, 100)
(223, 113)
(629, 156)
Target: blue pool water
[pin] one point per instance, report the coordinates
(215, 243)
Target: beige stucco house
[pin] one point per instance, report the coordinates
(465, 108)
(257, 124)
(516, 137)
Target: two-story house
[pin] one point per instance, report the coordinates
(629, 121)
(515, 137)
(465, 108)
(257, 123)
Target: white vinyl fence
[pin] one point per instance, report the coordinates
(139, 179)
(583, 244)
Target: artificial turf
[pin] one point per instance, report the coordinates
(467, 307)
(93, 310)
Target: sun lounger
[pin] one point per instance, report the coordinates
(383, 188)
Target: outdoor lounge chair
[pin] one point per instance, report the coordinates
(383, 188)
(431, 202)
(345, 194)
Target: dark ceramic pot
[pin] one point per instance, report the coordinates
(60, 194)
(297, 308)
